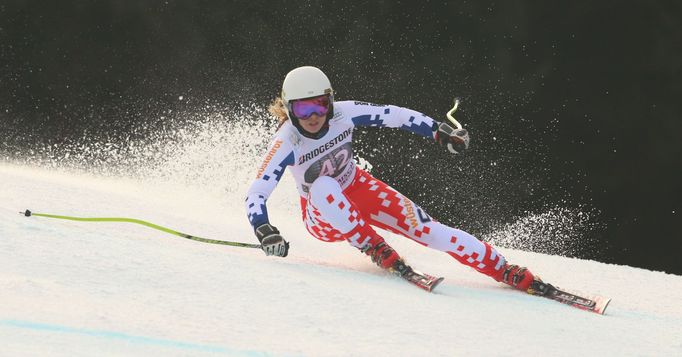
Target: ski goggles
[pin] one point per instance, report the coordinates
(304, 108)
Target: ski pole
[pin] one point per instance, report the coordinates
(451, 112)
(28, 213)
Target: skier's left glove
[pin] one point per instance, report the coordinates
(271, 241)
(456, 140)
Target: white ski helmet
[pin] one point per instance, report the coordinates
(307, 82)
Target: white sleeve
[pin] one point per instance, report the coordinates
(391, 116)
(279, 155)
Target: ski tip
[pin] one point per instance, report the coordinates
(435, 283)
(603, 303)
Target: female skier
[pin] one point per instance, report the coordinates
(340, 201)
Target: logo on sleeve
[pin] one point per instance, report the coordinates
(370, 104)
(268, 157)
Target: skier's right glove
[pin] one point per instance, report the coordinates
(271, 241)
(456, 140)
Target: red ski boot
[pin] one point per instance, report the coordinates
(518, 277)
(381, 253)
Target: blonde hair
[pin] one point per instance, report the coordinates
(277, 109)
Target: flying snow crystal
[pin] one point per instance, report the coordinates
(558, 230)
(364, 164)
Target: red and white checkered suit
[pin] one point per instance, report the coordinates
(332, 214)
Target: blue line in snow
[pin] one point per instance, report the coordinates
(128, 338)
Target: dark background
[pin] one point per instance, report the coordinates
(572, 104)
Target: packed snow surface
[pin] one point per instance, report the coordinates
(106, 289)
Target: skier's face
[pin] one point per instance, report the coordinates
(314, 123)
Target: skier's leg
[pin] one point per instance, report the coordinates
(330, 216)
(388, 209)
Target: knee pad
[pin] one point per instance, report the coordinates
(321, 188)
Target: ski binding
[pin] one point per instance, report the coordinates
(416, 278)
(596, 303)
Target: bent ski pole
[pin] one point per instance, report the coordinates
(451, 112)
(28, 213)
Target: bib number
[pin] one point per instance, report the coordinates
(332, 164)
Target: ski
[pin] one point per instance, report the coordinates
(423, 281)
(595, 303)
(416, 278)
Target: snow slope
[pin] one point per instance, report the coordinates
(108, 289)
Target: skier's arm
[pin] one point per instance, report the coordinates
(391, 116)
(278, 156)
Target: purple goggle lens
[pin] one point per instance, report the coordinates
(304, 108)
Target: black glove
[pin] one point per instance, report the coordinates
(456, 140)
(271, 241)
